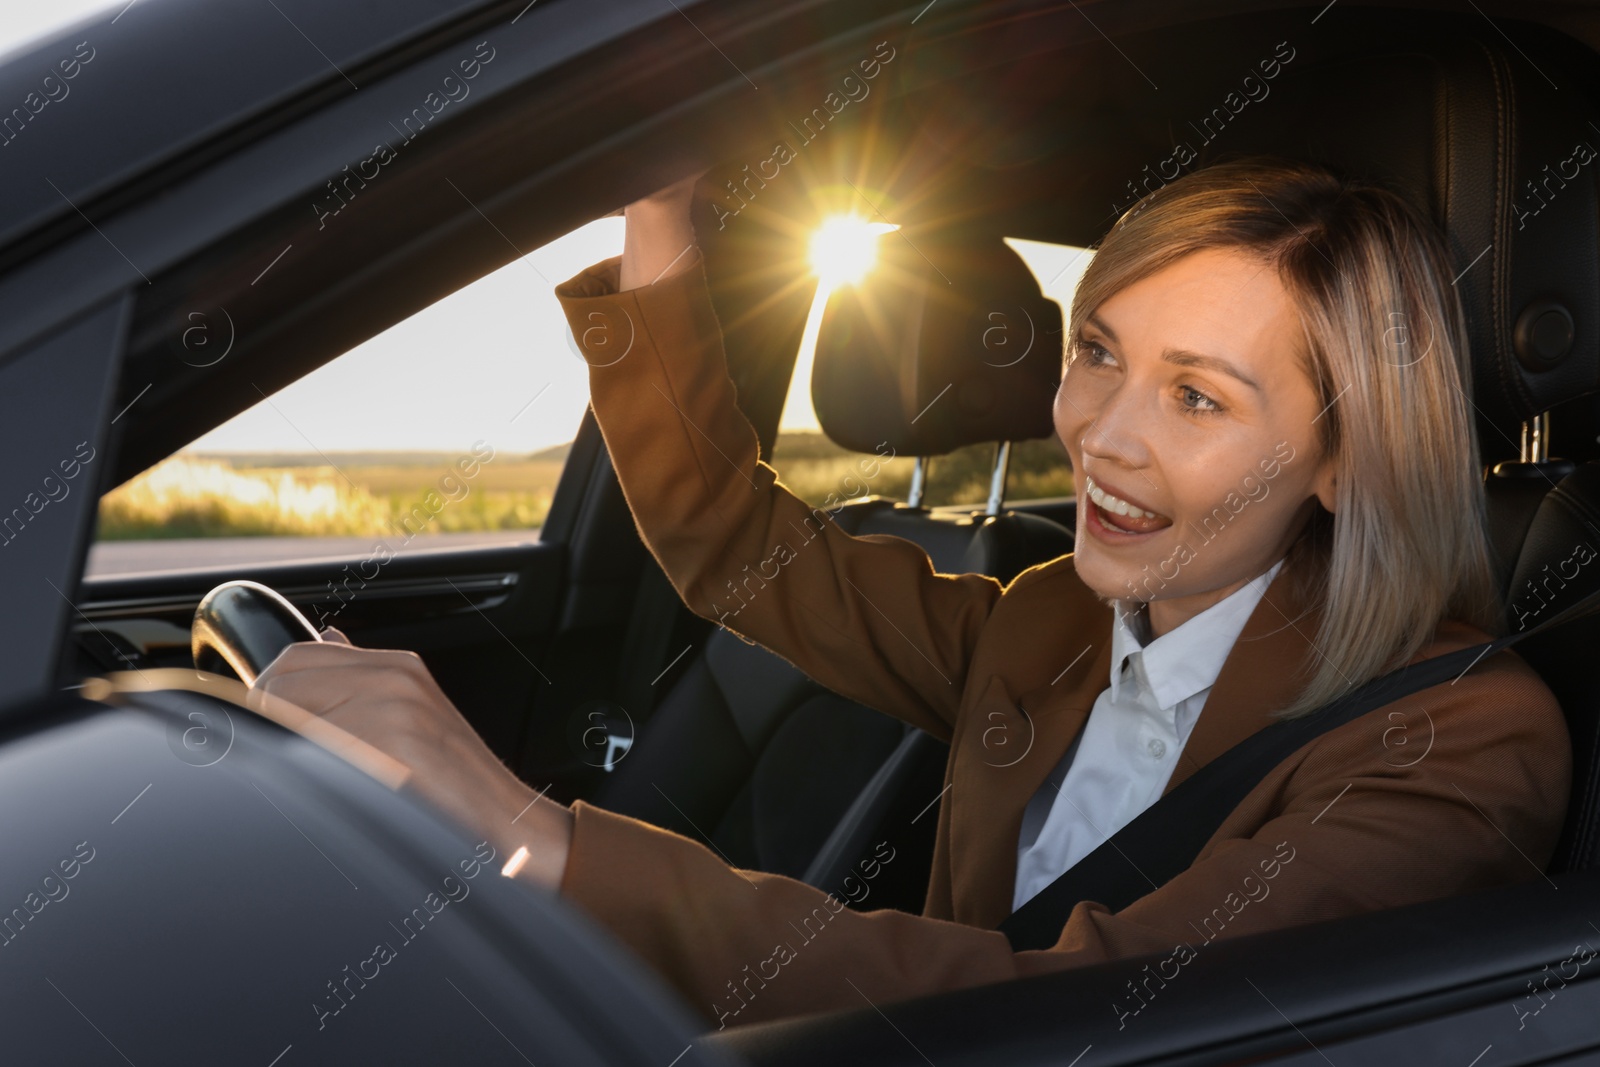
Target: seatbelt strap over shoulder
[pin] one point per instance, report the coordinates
(1163, 840)
(647, 642)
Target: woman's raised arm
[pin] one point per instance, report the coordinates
(865, 616)
(659, 239)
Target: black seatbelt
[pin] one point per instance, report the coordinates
(1163, 840)
(647, 643)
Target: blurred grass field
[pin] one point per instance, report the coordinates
(370, 494)
(812, 467)
(358, 495)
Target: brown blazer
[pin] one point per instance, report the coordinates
(1458, 787)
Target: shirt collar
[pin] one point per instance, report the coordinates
(1186, 660)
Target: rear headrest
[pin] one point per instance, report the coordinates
(948, 343)
(1482, 140)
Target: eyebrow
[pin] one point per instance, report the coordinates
(1098, 323)
(1184, 358)
(1215, 363)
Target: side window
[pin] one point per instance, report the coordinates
(448, 429)
(813, 467)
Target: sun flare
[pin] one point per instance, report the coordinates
(844, 249)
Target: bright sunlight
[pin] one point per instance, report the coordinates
(844, 249)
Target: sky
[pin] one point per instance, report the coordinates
(494, 361)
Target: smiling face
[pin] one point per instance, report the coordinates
(1189, 418)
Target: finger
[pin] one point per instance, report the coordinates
(303, 654)
(321, 690)
(336, 636)
(328, 685)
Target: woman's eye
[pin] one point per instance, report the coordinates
(1095, 355)
(1197, 403)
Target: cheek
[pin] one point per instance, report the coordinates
(1198, 489)
(1202, 471)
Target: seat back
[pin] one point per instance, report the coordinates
(1558, 565)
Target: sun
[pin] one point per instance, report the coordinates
(844, 249)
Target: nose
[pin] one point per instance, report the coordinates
(1111, 426)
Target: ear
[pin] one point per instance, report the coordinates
(1325, 485)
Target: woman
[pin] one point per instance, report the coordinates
(1265, 404)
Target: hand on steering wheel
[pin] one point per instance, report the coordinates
(389, 700)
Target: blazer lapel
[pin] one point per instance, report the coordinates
(1015, 740)
(1272, 659)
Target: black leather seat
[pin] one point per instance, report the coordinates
(745, 752)
(1558, 565)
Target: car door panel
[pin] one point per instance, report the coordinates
(480, 617)
(1512, 969)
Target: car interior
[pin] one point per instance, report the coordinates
(992, 121)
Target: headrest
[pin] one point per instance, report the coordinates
(947, 343)
(1482, 140)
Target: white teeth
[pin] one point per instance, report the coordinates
(1113, 504)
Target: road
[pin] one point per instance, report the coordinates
(136, 557)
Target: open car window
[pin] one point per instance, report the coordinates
(447, 430)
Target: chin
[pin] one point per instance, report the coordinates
(1107, 581)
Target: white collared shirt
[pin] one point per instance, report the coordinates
(1122, 758)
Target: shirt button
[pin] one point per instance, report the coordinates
(1157, 747)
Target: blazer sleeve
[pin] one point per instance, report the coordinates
(865, 616)
(1353, 822)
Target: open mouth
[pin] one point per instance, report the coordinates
(1120, 515)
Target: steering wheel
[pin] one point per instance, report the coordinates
(243, 626)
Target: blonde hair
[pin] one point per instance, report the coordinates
(1385, 348)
